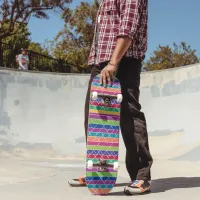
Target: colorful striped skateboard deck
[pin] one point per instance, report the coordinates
(103, 137)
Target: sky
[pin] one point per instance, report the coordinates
(169, 21)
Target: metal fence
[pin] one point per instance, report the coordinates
(7, 56)
(37, 62)
(46, 63)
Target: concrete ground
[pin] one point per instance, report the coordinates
(23, 179)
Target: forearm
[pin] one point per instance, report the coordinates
(122, 46)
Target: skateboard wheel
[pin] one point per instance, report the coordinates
(115, 165)
(90, 164)
(119, 98)
(94, 95)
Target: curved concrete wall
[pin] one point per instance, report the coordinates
(170, 99)
(42, 114)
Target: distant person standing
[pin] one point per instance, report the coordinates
(23, 59)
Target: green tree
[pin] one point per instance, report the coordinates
(38, 48)
(17, 12)
(166, 57)
(73, 43)
(20, 40)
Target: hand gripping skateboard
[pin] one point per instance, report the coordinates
(103, 136)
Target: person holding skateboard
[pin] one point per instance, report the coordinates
(119, 47)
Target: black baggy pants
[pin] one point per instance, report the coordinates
(132, 120)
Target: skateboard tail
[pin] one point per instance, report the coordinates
(100, 183)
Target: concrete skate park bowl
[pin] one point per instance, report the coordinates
(42, 114)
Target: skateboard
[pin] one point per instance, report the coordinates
(103, 136)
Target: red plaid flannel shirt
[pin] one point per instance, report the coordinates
(120, 18)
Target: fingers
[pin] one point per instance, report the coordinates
(105, 77)
(108, 77)
(111, 77)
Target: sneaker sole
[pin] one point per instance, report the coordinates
(128, 193)
(76, 185)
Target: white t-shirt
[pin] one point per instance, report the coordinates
(23, 61)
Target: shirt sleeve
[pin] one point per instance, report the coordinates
(130, 13)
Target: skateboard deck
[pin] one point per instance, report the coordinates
(103, 136)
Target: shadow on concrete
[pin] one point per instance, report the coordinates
(120, 193)
(165, 184)
(162, 185)
(121, 184)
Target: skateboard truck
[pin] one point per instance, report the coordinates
(102, 162)
(107, 98)
(103, 165)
